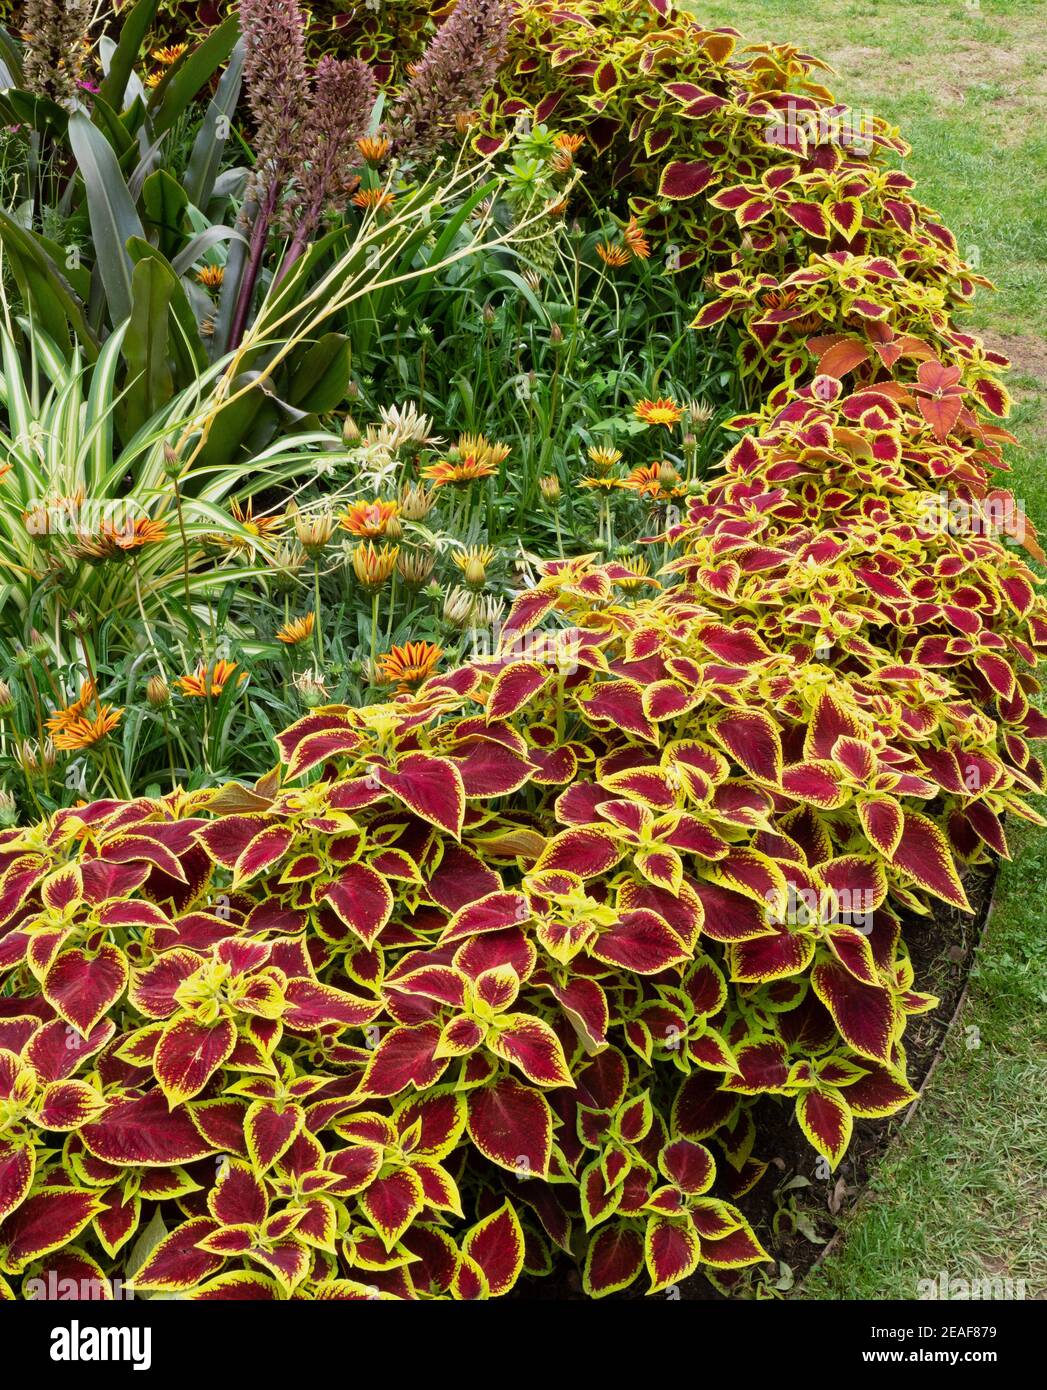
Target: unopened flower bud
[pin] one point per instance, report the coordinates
(550, 488)
(7, 699)
(8, 810)
(157, 691)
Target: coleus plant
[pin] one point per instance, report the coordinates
(510, 966)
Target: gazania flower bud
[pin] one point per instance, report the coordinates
(667, 475)
(38, 644)
(416, 502)
(288, 561)
(550, 488)
(475, 573)
(311, 690)
(172, 463)
(314, 531)
(556, 335)
(415, 567)
(8, 810)
(26, 757)
(7, 699)
(373, 565)
(157, 691)
(459, 606)
(350, 431)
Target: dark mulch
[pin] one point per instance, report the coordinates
(942, 949)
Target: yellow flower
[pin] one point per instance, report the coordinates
(209, 680)
(170, 54)
(663, 411)
(407, 665)
(604, 484)
(604, 456)
(369, 519)
(640, 567)
(473, 562)
(259, 528)
(211, 276)
(571, 143)
(373, 565)
(297, 630)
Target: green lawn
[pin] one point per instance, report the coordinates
(964, 1188)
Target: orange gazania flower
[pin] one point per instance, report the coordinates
(209, 679)
(571, 143)
(369, 519)
(154, 79)
(613, 255)
(373, 148)
(63, 717)
(651, 481)
(170, 54)
(634, 238)
(473, 457)
(87, 730)
(407, 665)
(663, 411)
(211, 276)
(297, 630)
(373, 565)
(374, 199)
(112, 540)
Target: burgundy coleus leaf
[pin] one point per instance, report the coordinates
(310, 1005)
(269, 1131)
(682, 179)
(152, 990)
(613, 1260)
(239, 1197)
(811, 217)
(530, 1044)
(528, 611)
(733, 1251)
(55, 1052)
(514, 686)
(512, 1125)
(406, 1056)
(641, 941)
(620, 703)
(583, 851)
(585, 1004)
(431, 787)
(17, 1168)
(753, 741)
(66, 1105)
(362, 899)
(82, 988)
(671, 1250)
(689, 1166)
(923, 853)
(266, 849)
(317, 747)
(44, 1222)
(496, 1244)
(880, 1092)
(392, 1202)
(825, 1118)
(882, 820)
(489, 769)
(188, 1055)
(142, 1131)
(864, 1014)
(118, 1222)
(178, 1263)
(491, 913)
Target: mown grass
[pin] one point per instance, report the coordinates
(963, 1188)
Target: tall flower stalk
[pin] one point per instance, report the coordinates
(452, 76)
